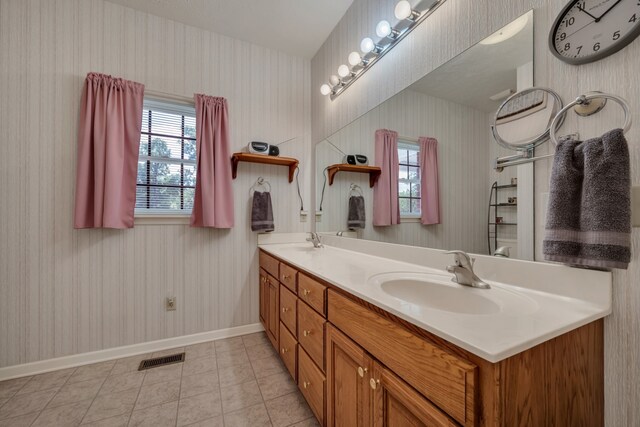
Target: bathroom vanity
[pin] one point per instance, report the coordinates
(360, 358)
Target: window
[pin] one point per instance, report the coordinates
(409, 179)
(167, 162)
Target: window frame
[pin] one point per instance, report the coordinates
(409, 216)
(165, 216)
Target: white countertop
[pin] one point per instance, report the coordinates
(582, 296)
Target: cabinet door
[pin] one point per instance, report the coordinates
(348, 373)
(397, 404)
(273, 317)
(264, 298)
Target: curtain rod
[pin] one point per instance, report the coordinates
(166, 95)
(407, 138)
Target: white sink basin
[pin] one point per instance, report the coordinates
(417, 291)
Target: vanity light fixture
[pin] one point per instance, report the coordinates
(507, 32)
(389, 36)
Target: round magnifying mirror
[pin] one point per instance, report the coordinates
(522, 122)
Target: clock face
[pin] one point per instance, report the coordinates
(589, 30)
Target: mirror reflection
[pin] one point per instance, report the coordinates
(429, 149)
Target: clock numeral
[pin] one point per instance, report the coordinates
(616, 35)
(569, 22)
(563, 36)
(596, 47)
(582, 5)
(579, 49)
(567, 46)
(633, 18)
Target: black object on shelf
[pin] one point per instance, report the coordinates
(493, 203)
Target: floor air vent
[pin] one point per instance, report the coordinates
(161, 361)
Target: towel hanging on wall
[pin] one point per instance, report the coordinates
(356, 217)
(589, 210)
(262, 210)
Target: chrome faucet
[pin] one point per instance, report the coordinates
(315, 239)
(463, 271)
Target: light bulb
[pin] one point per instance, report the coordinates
(334, 80)
(383, 29)
(354, 58)
(403, 10)
(367, 45)
(343, 71)
(325, 89)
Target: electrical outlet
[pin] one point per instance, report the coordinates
(170, 304)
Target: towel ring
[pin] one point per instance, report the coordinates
(355, 190)
(261, 182)
(582, 99)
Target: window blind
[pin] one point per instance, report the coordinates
(167, 160)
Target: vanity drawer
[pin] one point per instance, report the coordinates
(311, 383)
(269, 263)
(288, 277)
(311, 333)
(313, 293)
(445, 379)
(288, 309)
(288, 350)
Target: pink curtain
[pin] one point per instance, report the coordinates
(429, 185)
(213, 202)
(108, 143)
(386, 208)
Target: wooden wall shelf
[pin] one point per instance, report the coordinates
(261, 158)
(373, 171)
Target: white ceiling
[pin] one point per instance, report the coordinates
(297, 27)
(480, 72)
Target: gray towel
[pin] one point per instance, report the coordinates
(356, 217)
(589, 212)
(262, 212)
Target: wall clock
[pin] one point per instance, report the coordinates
(589, 30)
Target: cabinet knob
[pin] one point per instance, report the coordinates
(284, 350)
(285, 309)
(362, 371)
(374, 383)
(306, 384)
(306, 291)
(286, 277)
(264, 279)
(306, 333)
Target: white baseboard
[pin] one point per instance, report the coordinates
(42, 366)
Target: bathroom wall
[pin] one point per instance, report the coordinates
(455, 26)
(462, 136)
(64, 291)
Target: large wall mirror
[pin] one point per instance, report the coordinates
(480, 209)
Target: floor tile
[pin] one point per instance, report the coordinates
(21, 421)
(211, 422)
(199, 366)
(156, 416)
(76, 392)
(199, 408)
(311, 422)
(22, 404)
(3, 401)
(49, 381)
(116, 383)
(110, 405)
(276, 385)
(92, 372)
(157, 393)
(288, 409)
(10, 387)
(200, 350)
(261, 351)
(229, 344)
(117, 421)
(168, 352)
(253, 416)
(267, 366)
(236, 375)
(240, 396)
(230, 358)
(63, 416)
(255, 339)
(163, 373)
(129, 364)
(198, 384)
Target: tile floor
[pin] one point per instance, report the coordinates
(232, 382)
